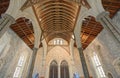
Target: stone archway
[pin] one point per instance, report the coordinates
(110, 75)
(116, 64)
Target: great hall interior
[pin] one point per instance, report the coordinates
(59, 38)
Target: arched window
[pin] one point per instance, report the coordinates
(64, 70)
(58, 42)
(110, 75)
(98, 65)
(19, 67)
(53, 71)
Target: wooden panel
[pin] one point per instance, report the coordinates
(90, 30)
(56, 16)
(24, 29)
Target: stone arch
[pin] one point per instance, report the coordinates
(16, 13)
(59, 54)
(96, 8)
(24, 26)
(110, 75)
(14, 7)
(64, 62)
(77, 31)
(59, 58)
(37, 31)
(116, 64)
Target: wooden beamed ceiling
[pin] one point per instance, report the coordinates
(91, 28)
(24, 29)
(112, 6)
(59, 16)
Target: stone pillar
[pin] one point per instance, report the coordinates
(84, 65)
(79, 46)
(44, 58)
(72, 49)
(108, 24)
(86, 72)
(33, 57)
(5, 22)
(58, 71)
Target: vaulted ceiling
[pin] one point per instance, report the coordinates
(57, 18)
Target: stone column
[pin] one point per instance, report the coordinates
(5, 22)
(77, 32)
(84, 65)
(33, 57)
(59, 71)
(82, 58)
(72, 49)
(44, 58)
(108, 24)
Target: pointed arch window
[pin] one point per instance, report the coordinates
(53, 72)
(64, 70)
(110, 75)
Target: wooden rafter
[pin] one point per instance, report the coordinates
(48, 23)
(22, 28)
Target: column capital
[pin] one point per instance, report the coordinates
(35, 49)
(101, 15)
(7, 16)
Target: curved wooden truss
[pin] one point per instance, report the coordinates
(57, 18)
(53, 28)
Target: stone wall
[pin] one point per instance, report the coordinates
(11, 48)
(116, 19)
(108, 50)
(57, 53)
